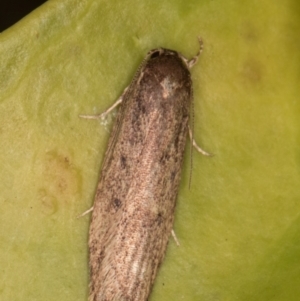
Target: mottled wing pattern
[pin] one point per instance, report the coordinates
(135, 198)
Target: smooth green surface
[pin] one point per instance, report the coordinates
(239, 223)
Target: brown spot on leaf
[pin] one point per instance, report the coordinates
(252, 71)
(249, 32)
(59, 179)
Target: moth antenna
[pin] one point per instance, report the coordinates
(192, 139)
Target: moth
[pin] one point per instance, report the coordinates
(135, 199)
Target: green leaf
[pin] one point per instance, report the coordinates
(239, 223)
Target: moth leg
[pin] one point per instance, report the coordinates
(86, 212)
(106, 112)
(196, 146)
(175, 238)
(193, 61)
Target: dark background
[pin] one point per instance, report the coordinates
(11, 11)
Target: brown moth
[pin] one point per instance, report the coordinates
(135, 199)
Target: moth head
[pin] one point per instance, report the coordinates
(161, 51)
(155, 53)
